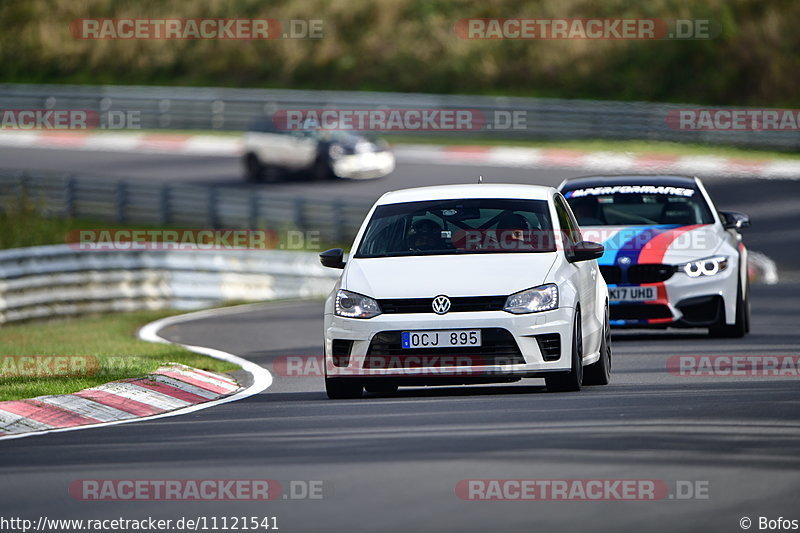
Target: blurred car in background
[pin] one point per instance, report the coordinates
(272, 153)
(671, 259)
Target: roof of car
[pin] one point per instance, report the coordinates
(632, 179)
(473, 190)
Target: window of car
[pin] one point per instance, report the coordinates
(263, 125)
(568, 224)
(458, 226)
(633, 205)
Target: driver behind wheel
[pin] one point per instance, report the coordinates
(425, 235)
(513, 231)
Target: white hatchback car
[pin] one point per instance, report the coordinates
(467, 284)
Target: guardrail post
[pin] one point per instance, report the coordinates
(69, 196)
(122, 201)
(213, 204)
(165, 205)
(338, 217)
(299, 216)
(253, 211)
(23, 191)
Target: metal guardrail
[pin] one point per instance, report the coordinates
(48, 281)
(233, 109)
(180, 205)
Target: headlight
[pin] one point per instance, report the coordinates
(336, 151)
(354, 305)
(705, 267)
(543, 298)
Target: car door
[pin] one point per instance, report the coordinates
(586, 273)
(269, 143)
(301, 148)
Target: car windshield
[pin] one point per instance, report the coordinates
(453, 226)
(631, 205)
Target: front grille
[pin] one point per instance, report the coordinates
(458, 304)
(498, 348)
(612, 274)
(638, 312)
(340, 351)
(550, 346)
(650, 273)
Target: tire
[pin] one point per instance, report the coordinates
(253, 168)
(742, 325)
(343, 389)
(570, 381)
(599, 372)
(381, 388)
(321, 171)
(747, 307)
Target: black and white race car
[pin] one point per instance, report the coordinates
(271, 153)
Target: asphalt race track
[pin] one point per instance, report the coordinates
(392, 463)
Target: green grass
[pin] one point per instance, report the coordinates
(109, 338)
(23, 225)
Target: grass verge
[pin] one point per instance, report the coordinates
(24, 225)
(109, 338)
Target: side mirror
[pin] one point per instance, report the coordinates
(333, 258)
(734, 220)
(586, 251)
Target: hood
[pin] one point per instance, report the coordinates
(452, 275)
(668, 244)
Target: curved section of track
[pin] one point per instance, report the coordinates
(392, 463)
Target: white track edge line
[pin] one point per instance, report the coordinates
(262, 378)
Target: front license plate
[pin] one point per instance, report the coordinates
(441, 338)
(632, 294)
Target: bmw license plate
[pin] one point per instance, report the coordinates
(632, 294)
(441, 338)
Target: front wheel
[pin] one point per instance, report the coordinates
(322, 170)
(570, 381)
(742, 325)
(253, 169)
(599, 372)
(343, 389)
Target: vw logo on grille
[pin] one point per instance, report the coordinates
(624, 260)
(441, 304)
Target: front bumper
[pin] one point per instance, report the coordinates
(364, 166)
(681, 302)
(367, 339)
